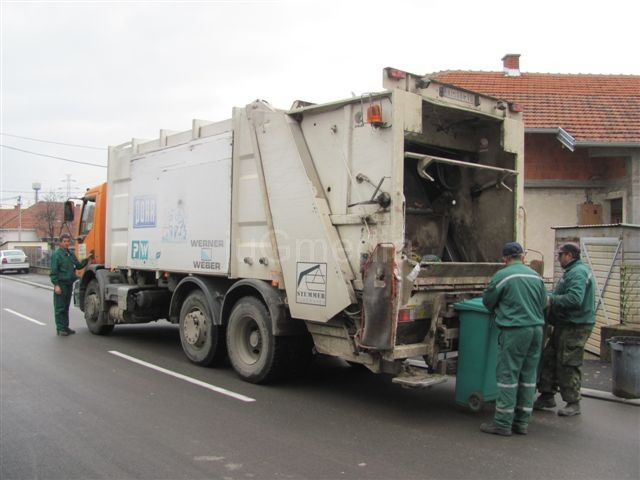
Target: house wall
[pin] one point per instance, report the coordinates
(13, 245)
(547, 159)
(13, 235)
(558, 181)
(543, 213)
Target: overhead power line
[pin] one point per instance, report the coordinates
(51, 156)
(55, 143)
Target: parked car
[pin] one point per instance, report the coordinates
(13, 260)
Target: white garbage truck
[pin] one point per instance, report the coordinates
(347, 229)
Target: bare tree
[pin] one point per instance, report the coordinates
(48, 217)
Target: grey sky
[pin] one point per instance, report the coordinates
(100, 73)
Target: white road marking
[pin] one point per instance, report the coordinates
(200, 383)
(25, 317)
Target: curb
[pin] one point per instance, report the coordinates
(610, 397)
(27, 282)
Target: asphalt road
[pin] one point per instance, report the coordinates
(70, 409)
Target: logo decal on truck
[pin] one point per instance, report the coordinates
(208, 259)
(175, 230)
(311, 283)
(144, 211)
(139, 250)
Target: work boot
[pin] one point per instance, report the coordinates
(62, 333)
(519, 429)
(69, 331)
(545, 400)
(570, 409)
(495, 429)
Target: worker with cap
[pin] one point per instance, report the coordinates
(516, 298)
(572, 315)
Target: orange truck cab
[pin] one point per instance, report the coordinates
(91, 228)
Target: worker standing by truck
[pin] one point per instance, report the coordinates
(516, 297)
(63, 273)
(573, 317)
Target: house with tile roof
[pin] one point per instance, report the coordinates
(29, 224)
(582, 146)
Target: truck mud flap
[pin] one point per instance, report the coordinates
(379, 299)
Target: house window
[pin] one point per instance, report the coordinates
(615, 209)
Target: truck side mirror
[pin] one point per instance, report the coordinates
(69, 211)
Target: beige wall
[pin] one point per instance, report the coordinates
(546, 208)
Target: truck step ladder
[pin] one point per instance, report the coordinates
(418, 378)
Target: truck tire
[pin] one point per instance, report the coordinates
(255, 353)
(202, 342)
(94, 313)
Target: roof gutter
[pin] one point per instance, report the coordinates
(562, 135)
(609, 144)
(571, 143)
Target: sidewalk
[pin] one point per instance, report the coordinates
(35, 279)
(596, 375)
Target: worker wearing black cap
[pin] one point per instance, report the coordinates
(516, 297)
(573, 317)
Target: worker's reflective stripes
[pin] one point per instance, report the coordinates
(504, 410)
(528, 385)
(517, 275)
(525, 409)
(507, 385)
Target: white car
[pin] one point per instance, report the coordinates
(13, 260)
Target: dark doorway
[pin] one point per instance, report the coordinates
(616, 210)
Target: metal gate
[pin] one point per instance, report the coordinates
(603, 256)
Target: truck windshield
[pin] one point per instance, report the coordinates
(86, 223)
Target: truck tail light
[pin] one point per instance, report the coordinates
(515, 107)
(404, 315)
(4, 260)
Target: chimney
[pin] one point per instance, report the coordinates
(511, 64)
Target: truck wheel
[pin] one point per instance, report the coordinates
(255, 353)
(202, 342)
(94, 314)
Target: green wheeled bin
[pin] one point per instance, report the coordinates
(477, 355)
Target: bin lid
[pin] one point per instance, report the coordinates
(471, 305)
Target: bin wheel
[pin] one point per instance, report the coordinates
(475, 402)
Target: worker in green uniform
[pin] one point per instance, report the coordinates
(516, 298)
(63, 273)
(573, 317)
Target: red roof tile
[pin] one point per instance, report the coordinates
(592, 108)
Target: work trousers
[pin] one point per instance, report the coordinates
(518, 356)
(61, 305)
(562, 361)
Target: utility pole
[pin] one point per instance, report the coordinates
(19, 218)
